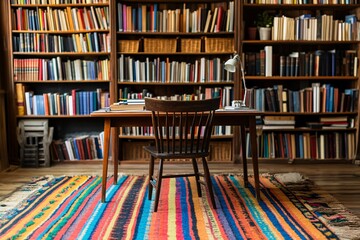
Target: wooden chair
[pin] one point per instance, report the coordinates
(182, 130)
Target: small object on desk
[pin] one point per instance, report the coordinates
(126, 107)
(128, 104)
(237, 105)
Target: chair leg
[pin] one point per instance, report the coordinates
(151, 173)
(208, 182)
(158, 184)
(197, 177)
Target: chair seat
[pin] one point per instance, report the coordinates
(174, 154)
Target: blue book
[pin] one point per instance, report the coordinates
(139, 17)
(98, 148)
(134, 20)
(155, 16)
(75, 148)
(301, 145)
(331, 99)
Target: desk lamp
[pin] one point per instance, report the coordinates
(230, 65)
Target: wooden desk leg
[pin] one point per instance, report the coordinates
(106, 157)
(115, 153)
(243, 154)
(252, 130)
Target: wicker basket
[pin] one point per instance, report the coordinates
(128, 46)
(214, 45)
(159, 45)
(190, 45)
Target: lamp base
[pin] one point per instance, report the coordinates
(236, 108)
(237, 105)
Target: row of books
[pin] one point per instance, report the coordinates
(167, 71)
(148, 131)
(57, 69)
(317, 98)
(226, 94)
(321, 27)
(151, 18)
(332, 145)
(335, 62)
(86, 147)
(289, 122)
(80, 43)
(303, 1)
(57, 1)
(77, 102)
(68, 19)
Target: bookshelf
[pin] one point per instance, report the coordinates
(137, 48)
(60, 66)
(172, 49)
(177, 49)
(312, 79)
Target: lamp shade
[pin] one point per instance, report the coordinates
(230, 65)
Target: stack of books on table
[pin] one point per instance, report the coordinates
(279, 122)
(128, 104)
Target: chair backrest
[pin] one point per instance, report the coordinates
(182, 127)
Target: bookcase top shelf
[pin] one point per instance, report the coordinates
(176, 53)
(177, 34)
(333, 7)
(321, 78)
(305, 129)
(61, 5)
(320, 114)
(297, 42)
(59, 54)
(52, 116)
(178, 83)
(62, 32)
(63, 81)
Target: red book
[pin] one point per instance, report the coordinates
(80, 16)
(73, 94)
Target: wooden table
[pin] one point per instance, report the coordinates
(241, 118)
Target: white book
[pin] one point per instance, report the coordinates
(147, 66)
(69, 150)
(77, 67)
(196, 70)
(28, 102)
(268, 61)
(142, 71)
(137, 71)
(202, 69)
(231, 17)
(130, 64)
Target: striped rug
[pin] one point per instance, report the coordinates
(70, 208)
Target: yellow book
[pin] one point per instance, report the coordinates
(20, 92)
(70, 19)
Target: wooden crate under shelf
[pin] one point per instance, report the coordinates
(190, 45)
(160, 45)
(129, 46)
(216, 45)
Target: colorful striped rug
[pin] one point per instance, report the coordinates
(70, 208)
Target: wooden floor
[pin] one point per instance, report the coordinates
(341, 180)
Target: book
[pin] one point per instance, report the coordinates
(128, 104)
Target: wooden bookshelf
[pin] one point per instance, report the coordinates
(315, 70)
(137, 66)
(60, 60)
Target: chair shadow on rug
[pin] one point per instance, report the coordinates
(182, 130)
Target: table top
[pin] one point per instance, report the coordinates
(105, 113)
